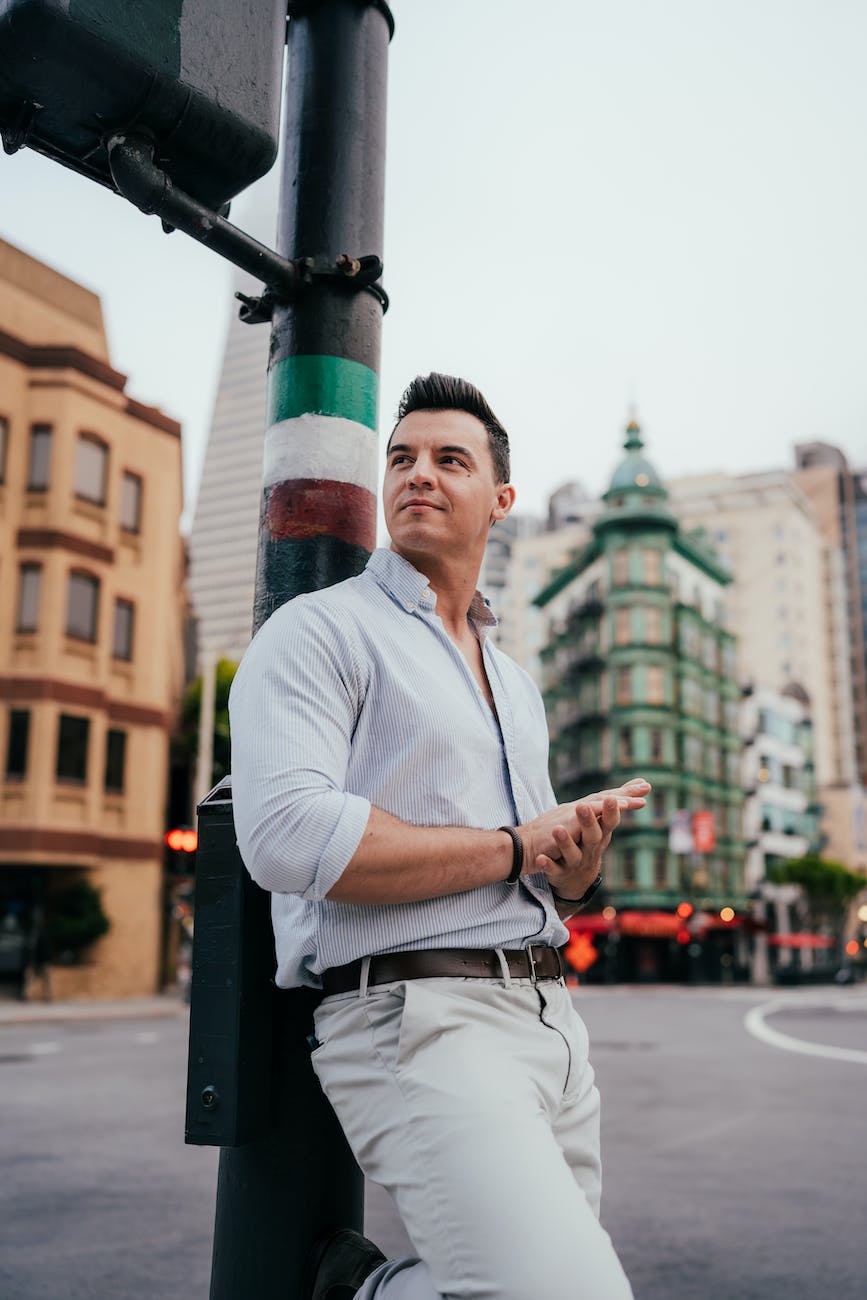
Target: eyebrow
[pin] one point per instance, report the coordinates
(461, 451)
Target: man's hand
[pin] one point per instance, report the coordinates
(568, 842)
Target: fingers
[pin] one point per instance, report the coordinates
(569, 850)
(591, 831)
(636, 788)
(610, 817)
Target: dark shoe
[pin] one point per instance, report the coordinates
(338, 1265)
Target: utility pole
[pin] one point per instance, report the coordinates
(277, 1193)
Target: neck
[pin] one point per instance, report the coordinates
(453, 581)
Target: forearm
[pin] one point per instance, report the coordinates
(399, 863)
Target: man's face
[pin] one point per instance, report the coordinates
(440, 492)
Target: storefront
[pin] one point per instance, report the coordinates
(650, 947)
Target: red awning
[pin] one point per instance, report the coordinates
(654, 925)
(595, 923)
(801, 941)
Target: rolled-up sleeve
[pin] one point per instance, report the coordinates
(293, 709)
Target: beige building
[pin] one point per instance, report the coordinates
(839, 499)
(788, 610)
(91, 612)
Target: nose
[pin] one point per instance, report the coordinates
(421, 473)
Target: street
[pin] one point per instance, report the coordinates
(734, 1152)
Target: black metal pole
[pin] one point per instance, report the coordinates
(278, 1193)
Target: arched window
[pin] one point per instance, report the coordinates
(82, 606)
(29, 587)
(91, 469)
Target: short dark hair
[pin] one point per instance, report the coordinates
(435, 392)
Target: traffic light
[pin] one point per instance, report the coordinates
(181, 843)
(201, 82)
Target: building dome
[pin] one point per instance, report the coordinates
(635, 470)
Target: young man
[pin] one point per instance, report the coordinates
(391, 788)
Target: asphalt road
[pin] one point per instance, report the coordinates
(735, 1164)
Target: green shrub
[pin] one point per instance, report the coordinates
(75, 918)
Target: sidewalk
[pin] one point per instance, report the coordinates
(47, 1013)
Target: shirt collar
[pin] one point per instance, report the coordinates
(403, 582)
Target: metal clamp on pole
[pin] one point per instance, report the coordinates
(355, 274)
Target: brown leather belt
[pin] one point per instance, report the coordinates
(538, 962)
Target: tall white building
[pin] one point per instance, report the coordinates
(225, 528)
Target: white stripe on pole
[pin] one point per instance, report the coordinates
(313, 446)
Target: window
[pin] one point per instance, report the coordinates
(28, 597)
(656, 744)
(660, 868)
(622, 626)
(130, 502)
(72, 748)
(4, 439)
(623, 688)
(658, 805)
(16, 746)
(624, 745)
(40, 458)
(629, 866)
(652, 567)
(115, 760)
(121, 637)
(82, 606)
(655, 683)
(652, 625)
(91, 469)
(621, 568)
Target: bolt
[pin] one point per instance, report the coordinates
(210, 1097)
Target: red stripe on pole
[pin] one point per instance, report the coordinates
(311, 507)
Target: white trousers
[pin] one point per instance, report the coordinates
(473, 1102)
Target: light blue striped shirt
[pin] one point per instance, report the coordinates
(356, 695)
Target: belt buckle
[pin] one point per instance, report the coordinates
(532, 964)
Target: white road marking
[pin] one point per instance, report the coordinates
(44, 1049)
(754, 1023)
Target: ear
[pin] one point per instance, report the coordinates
(505, 501)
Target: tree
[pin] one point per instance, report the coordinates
(74, 919)
(186, 742)
(828, 887)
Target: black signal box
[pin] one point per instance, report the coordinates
(201, 79)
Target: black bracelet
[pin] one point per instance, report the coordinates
(585, 897)
(517, 854)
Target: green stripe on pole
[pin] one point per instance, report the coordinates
(322, 386)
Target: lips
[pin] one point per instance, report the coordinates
(420, 505)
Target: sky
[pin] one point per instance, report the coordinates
(591, 209)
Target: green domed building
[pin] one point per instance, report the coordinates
(640, 680)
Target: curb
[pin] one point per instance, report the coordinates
(57, 1013)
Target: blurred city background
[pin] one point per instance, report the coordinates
(640, 231)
